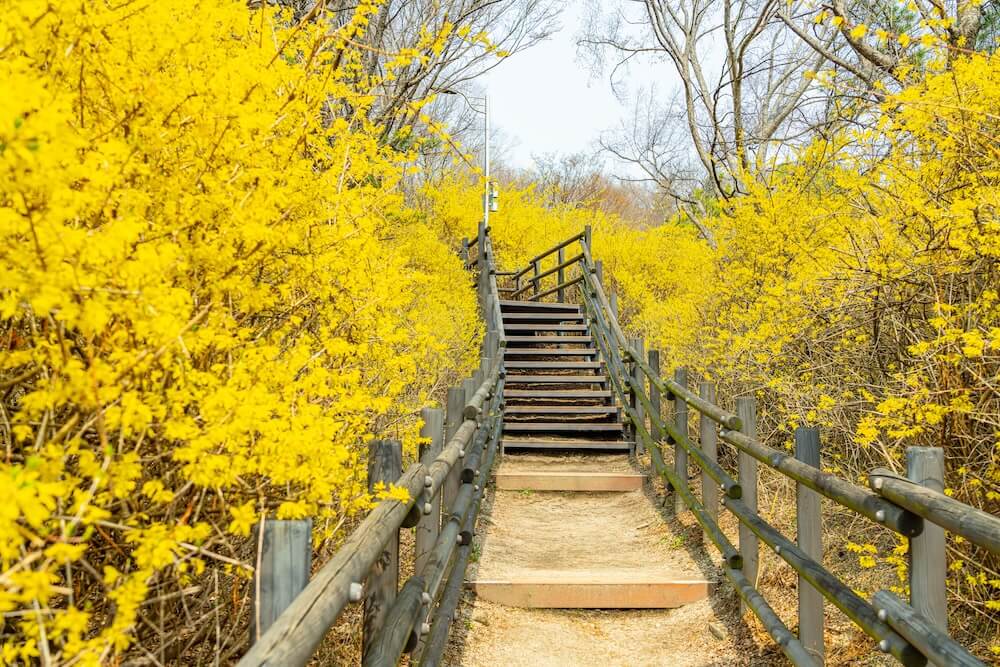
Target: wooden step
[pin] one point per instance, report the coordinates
(561, 426)
(531, 480)
(542, 317)
(557, 393)
(598, 445)
(571, 410)
(553, 365)
(556, 379)
(548, 340)
(549, 352)
(544, 327)
(581, 592)
(522, 306)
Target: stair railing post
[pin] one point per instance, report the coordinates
(639, 350)
(599, 265)
(680, 454)
(562, 275)
(810, 539)
(283, 570)
(746, 410)
(430, 522)
(614, 304)
(709, 439)
(928, 566)
(653, 360)
(385, 465)
(453, 421)
(464, 252)
(588, 237)
(536, 268)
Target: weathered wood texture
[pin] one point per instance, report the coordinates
(385, 463)
(568, 481)
(746, 409)
(808, 523)
(454, 417)
(709, 447)
(680, 454)
(293, 638)
(429, 526)
(283, 570)
(927, 636)
(928, 565)
(606, 593)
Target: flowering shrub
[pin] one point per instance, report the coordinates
(207, 306)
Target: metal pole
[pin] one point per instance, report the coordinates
(486, 163)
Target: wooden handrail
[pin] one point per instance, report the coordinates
(545, 274)
(537, 258)
(897, 503)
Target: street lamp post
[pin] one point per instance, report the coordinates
(488, 195)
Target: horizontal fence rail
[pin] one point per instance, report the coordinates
(915, 632)
(444, 491)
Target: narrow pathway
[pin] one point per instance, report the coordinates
(543, 547)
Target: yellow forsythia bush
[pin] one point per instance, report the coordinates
(856, 288)
(207, 304)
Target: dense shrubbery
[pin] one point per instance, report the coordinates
(207, 306)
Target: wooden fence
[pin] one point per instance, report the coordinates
(445, 487)
(914, 506)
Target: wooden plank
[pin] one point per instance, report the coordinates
(680, 454)
(810, 539)
(928, 566)
(746, 409)
(557, 393)
(549, 352)
(560, 426)
(561, 409)
(543, 317)
(709, 446)
(539, 326)
(429, 527)
(384, 465)
(283, 572)
(568, 481)
(553, 365)
(550, 339)
(539, 306)
(604, 594)
(610, 445)
(556, 379)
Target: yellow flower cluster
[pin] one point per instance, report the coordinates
(210, 298)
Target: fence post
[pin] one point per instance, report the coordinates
(588, 235)
(639, 350)
(614, 304)
(385, 464)
(430, 523)
(283, 570)
(562, 274)
(810, 539)
(599, 265)
(746, 409)
(653, 359)
(709, 439)
(928, 568)
(464, 253)
(453, 420)
(536, 268)
(680, 454)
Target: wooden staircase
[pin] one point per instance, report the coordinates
(557, 395)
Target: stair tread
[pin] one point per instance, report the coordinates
(539, 305)
(557, 393)
(544, 317)
(556, 379)
(550, 339)
(544, 327)
(561, 409)
(552, 365)
(518, 443)
(553, 352)
(561, 426)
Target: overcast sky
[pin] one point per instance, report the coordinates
(545, 101)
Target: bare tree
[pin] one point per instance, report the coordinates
(742, 93)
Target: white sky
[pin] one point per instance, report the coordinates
(546, 102)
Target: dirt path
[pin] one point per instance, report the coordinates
(622, 535)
